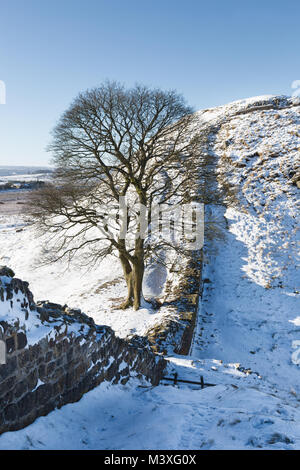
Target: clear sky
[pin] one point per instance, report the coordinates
(212, 52)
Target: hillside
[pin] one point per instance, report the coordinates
(248, 330)
(16, 171)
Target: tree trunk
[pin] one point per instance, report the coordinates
(134, 279)
(134, 273)
(128, 274)
(138, 273)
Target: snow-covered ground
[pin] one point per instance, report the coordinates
(24, 173)
(18, 178)
(248, 322)
(128, 417)
(26, 178)
(96, 291)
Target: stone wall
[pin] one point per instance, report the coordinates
(71, 355)
(175, 332)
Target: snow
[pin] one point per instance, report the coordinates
(24, 174)
(27, 178)
(96, 291)
(212, 114)
(247, 334)
(165, 417)
(29, 321)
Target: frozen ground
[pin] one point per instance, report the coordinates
(115, 417)
(96, 291)
(26, 178)
(24, 173)
(248, 323)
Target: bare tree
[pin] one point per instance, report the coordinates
(114, 142)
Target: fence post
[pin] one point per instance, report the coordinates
(202, 381)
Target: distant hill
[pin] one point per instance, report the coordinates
(23, 170)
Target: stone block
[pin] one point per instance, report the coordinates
(21, 340)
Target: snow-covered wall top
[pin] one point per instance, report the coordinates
(18, 311)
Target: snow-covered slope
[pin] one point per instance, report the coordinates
(252, 295)
(250, 309)
(247, 339)
(96, 291)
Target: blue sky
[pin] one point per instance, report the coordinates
(212, 52)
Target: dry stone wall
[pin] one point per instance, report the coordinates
(174, 334)
(55, 354)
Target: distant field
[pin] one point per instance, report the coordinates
(13, 202)
(21, 178)
(22, 170)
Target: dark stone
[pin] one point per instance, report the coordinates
(7, 385)
(32, 379)
(59, 361)
(50, 368)
(49, 356)
(21, 340)
(41, 360)
(6, 271)
(7, 369)
(59, 349)
(23, 359)
(21, 388)
(1, 420)
(34, 352)
(50, 305)
(42, 371)
(10, 345)
(7, 399)
(80, 371)
(70, 379)
(47, 408)
(94, 357)
(70, 355)
(11, 412)
(27, 403)
(3, 371)
(61, 383)
(43, 393)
